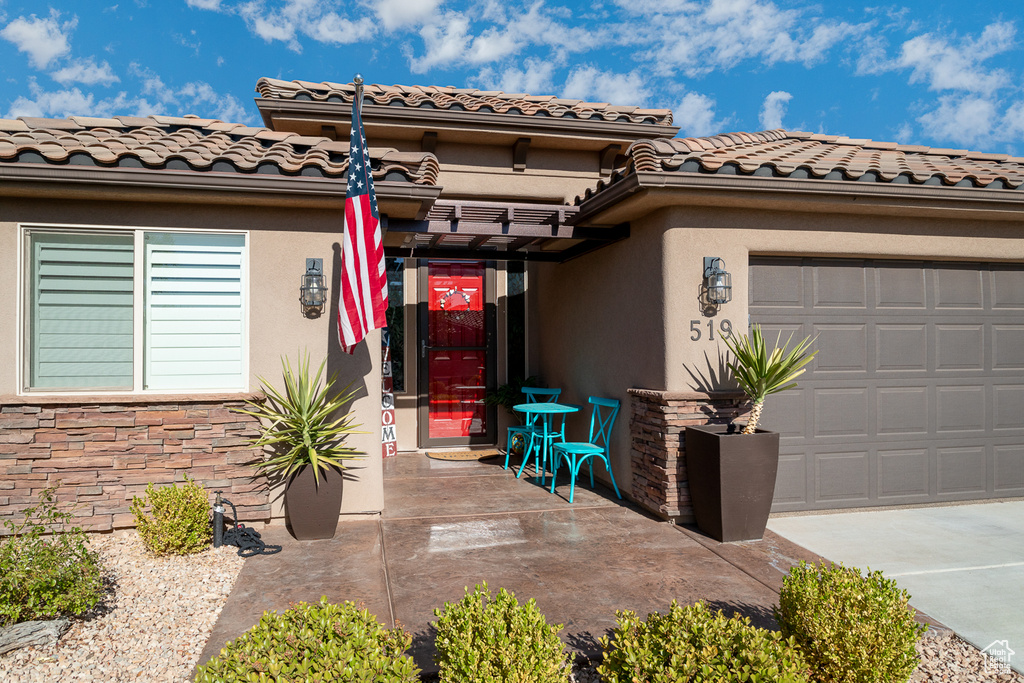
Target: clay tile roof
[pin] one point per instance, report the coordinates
(194, 144)
(461, 99)
(780, 153)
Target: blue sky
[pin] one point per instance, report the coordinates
(943, 74)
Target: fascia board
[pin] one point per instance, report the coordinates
(609, 206)
(197, 187)
(467, 121)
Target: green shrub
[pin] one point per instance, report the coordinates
(322, 642)
(694, 644)
(46, 577)
(850, 628)
(485, 640)
(179, 522)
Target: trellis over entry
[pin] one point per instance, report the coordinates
(498, 231)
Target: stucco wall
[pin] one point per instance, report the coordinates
(280, 240)
(598, 330)
(484, 171)
(624, 317)
(735, 235)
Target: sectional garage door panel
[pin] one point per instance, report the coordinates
(917, 392)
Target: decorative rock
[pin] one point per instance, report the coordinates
(140, 632)
(32, 633)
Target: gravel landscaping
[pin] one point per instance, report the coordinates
(155, 624)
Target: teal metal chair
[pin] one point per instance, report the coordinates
(576, 453)
(533, 395)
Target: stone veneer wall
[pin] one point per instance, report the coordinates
(105, 450)
(657, 427)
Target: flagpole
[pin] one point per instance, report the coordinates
(358, 100)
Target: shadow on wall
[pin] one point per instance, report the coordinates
(713, 376)
(351, 371)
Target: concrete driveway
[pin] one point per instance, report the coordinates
(962, 565)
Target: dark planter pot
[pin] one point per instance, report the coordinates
(732, 479)
(313, 509)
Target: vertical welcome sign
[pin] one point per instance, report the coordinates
(388, 437)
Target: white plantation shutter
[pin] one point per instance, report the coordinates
(194, 317)
(81, 311)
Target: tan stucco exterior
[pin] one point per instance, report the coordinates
(279, 242)
(624, 316)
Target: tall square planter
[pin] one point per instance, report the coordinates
(732, 479)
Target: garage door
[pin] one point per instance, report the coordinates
(917, 392)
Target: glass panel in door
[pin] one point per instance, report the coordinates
(456, 351)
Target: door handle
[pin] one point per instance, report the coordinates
(423, 348)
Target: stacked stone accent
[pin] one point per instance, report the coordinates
(657, 425)
(105, 450)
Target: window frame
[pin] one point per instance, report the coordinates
(23, 308)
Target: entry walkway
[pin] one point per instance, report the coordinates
(963, 564)
(450, 525)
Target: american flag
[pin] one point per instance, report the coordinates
(364, 281)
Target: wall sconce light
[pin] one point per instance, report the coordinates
(313, 292)
(717, 281)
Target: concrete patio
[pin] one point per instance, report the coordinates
(449, 525)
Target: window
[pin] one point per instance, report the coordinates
(396, 320)
(134, 310)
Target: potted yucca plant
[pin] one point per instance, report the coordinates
(304, 428)
(731, 471)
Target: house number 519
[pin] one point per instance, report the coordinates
(724, 326)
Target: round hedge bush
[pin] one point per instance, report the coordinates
(851, 628)
(485, 640)
(694, 645)
(321, 642)
(178, 520)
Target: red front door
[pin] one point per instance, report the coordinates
(455, 353)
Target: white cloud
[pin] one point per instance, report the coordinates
(535, 78)
(590, 83)
(312, 18)
(905, 134)
(446, 43)
(945, 64)
(73, 102)
(449, 41)
(699, 38)
(1013, 121)
(202, 96)
(337, 30)
(85, 71)
(965, 120)
(43, 40)
(270, 27)
(204, 4)
(872, 58)
(773, 109)
(197, 97)
(395, 14)
(695, 115)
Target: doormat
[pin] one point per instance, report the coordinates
(463, 455)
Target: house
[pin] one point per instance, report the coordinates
(525, 236)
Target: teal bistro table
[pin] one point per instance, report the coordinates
(544, 411)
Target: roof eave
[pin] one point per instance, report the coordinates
(77, 182)
(464, 121)
(617, 202)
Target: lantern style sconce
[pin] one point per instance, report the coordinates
(313, 292)
(717, 281)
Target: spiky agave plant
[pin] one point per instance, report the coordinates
(298, 422)
(761, 373)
